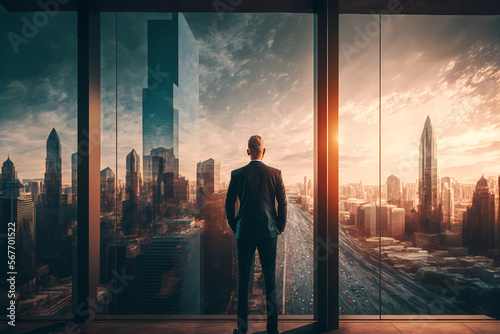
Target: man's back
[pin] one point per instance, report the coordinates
(257, 186)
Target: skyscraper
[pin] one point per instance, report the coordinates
(8, 172)
(208, 176)
(50, 231)
(169, 271)
(428, 180)
(447, 203)
(164, 173)
(393, 190)
(53, 174)
(133, 176)
(173, 88)
(478, 228)
(17, 206)
(131, 217)
(107, 190)
(74, 177)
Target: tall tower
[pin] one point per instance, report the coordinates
(53, 176)
(50, 230)
(131, 219)
(428, 180)
(133, 177)
(172, 95)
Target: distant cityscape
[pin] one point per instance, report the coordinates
(429, 235)
(167, 231)
(433, 243)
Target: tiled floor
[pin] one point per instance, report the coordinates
(286, 327)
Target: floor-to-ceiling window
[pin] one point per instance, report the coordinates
(180, 96)
(38, 144)
(419, 171)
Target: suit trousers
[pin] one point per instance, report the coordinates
(267, 254)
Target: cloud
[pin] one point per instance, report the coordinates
(452, 76)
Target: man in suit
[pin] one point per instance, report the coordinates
(257, 225)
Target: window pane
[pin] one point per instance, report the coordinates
(359, 192)
(437, 227)
(38, 81)
(440, 165)
(191, 89)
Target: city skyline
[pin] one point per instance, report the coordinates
(230, 79)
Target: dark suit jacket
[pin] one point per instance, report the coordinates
(257, 186)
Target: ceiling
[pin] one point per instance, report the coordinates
(433, 7)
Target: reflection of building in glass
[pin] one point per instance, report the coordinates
(217, 238)
(169, 270)
(107, 190)
(164, 171)
(115, 263)
(172, 91)
(479, 220)
(428, 180)
(208, 176)
(393, 190)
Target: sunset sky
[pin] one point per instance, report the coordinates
(443, 66)
(256, 76)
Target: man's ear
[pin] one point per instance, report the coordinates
(263, 152)
(248, 151)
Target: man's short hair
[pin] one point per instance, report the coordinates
(256, 145)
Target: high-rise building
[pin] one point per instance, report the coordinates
(208, 176)
(172, 95)
(131, 218)
(385, 221)
(53, 173)
(447, 203)
(107, 190)
(164, 172)
(74, 177)
(429, 219)
(51, 230)
(170, 270)
(8, 172)
(133, 176)
(393, 190)
(17, 208)
(478, 228)
(396, 228)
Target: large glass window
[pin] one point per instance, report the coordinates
(38, 131)
(431, 231)
(181, 95)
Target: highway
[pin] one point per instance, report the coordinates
(402, 293)
(295, 264)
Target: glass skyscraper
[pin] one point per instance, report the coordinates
(172, 95)
(428, 180)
